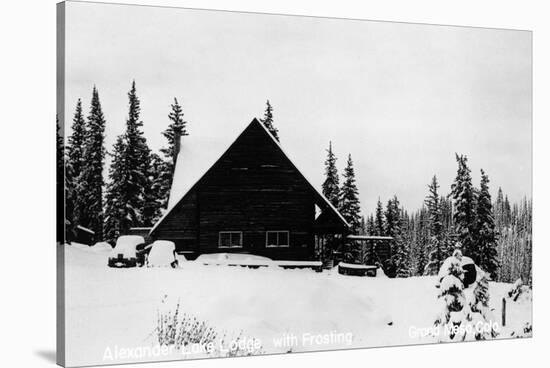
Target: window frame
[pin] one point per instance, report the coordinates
(230, 239)
(267, 245)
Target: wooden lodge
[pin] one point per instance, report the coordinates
(248, 198)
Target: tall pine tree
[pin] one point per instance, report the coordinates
(130, 180)
(398, 264)
(118, 217)
(60, 184)
(463, 194)
(349, 198)
(267, 120)
(90, 182)
(436, 244)
(75, 160)
(331, 185)
(379, 225)
(175, 130)
(154, 191)
(486, 233)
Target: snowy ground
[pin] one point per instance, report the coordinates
(112, 313)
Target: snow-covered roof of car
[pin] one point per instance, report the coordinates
(197, 155)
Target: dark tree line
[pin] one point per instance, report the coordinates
(496, 235)
(138, 180)
(136, 189)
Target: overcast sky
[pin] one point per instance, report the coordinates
(401, 98)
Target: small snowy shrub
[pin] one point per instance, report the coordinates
(181, 330)
(519, 292)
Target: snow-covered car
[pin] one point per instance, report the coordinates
(124, 252)
(162, 254)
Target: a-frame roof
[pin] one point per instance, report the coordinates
(196, 158)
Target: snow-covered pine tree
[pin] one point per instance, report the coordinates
(117, 220)
(398, 264)
(89, 184)
(129, 174)
(451, 297)
(75, 142)
(75, 159)
(480, 311)
(154, 195)
(136, 158)
(61, 185)
(463, 194)
(349, 198)
(379, 228)
(436, 251)
(370, 225)
(363, 226)
(267, 120)
(175, 130)
(331, 185)
(486, 234)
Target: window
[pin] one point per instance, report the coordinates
(230, 239)
(277, 239)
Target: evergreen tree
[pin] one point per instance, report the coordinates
(176, 129)
(349, 194)
(89, 184)
(480, 311)
(437, 253)
(363, 226)
(379, 226)
(75, 160)
(370, 225)
(75, 146)
(267, 120)
(331, 185)
(61, 184)
(398, 264)
(486, 233)
(154, 192)
(117, 217)
(463, 194)
(452, 298)
(130, 181)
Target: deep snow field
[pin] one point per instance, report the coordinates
(111, 314)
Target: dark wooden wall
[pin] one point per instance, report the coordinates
(253, 188)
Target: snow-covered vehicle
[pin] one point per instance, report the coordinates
(356, 269)
(124, 252)
(162, 254)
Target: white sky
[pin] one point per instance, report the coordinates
(401, 98)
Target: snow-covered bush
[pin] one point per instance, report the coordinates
(465, 313)
(451, 297)
(519, 292)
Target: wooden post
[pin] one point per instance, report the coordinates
(503, 312)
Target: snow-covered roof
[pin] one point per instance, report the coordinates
(197, 155)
